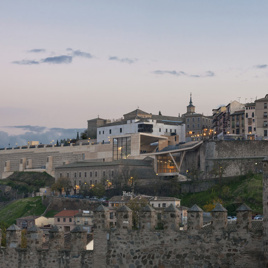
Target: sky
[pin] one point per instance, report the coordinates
(65, 62)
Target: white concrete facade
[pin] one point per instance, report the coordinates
(105, 133)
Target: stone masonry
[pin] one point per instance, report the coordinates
(218, 244)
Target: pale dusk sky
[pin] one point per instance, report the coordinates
(64, 62)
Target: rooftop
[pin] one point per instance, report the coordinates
(67, 213)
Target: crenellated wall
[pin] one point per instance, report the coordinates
(218, 244)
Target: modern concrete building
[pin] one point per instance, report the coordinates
(139, 121)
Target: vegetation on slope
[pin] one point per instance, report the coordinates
(21, 208)
(28, 182)
(244, 189)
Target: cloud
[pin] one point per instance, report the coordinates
(261, 66)
(78, 53)
(124, 60)
(58, 59)
(181, 73)
(26, 62)
(36, 50)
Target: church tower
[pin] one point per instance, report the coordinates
(190, 107)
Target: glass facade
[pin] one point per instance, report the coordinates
(165, 164)
(121, 148)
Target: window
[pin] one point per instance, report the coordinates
(90, 174)
(96, 181)
(64, 219)
(80, 174)
(99, 132)
(75, 174)
(103, 173)
(198, 119)
(112, 173)
(110, 131)
(152, 204)
(193, 119)
(159, 205)
(103, 132)
(265, 123)
(164, 205)
(265, 114)
(246, 115)
(58, 219)
(120, 130)
(90, 182)
(249, 129)
(170, 130)
(96, 173)
(187, 119)
(60, 175)
(85, 174)
(70, 219)
(265, 106)
(252, 114)
(159, 129)
(80, 183)
(265, 133)
(166, 129)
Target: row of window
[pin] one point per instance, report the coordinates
(198, 119)
(171, 130)
(110, 131)
(64, 219)
(89, 174)
(252, 114)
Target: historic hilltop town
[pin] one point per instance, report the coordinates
(116, 196)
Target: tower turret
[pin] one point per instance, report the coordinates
(190, 107)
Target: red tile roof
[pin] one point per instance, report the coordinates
(67, 213)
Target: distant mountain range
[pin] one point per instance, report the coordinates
(11, 136)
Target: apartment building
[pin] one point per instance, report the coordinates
(262, 117)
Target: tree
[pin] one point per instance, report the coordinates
(136, 204)
(62, 184)
(98, 190)
(83, 135)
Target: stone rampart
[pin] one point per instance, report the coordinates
(217, 244)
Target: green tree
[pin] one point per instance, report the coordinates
(98, 190)
(136, 204)
(62, 184)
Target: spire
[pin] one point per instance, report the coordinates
(191, 102)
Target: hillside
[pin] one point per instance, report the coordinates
(244, 189)
(22, 207)
(24, 183)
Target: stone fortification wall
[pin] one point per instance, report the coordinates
(31, 158)
(218, 244)
(234, 157)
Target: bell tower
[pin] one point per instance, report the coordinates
(190, 107)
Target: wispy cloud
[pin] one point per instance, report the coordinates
(63, 59)
(60, 59)
(26, 62)
(124, 60)
(78, 53)
(36, 50)
(181, 73)
(261, 66)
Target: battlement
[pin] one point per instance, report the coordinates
(243, 243)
